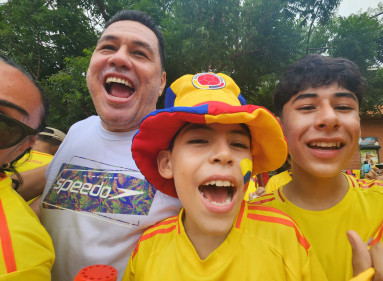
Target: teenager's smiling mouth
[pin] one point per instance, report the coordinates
(218, 192)
(325, 145)
(119, 88)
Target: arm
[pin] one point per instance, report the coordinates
(33, 183)
(372, 175)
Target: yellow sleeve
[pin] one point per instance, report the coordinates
(365, 275)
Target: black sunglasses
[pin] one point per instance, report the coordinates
(13, 131)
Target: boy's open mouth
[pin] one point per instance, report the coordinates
(218, 192)
(325, 145)
(119, 88)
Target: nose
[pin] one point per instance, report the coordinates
(222, 153)
(120, 58)
(327, 118)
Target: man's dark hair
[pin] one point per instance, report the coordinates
(314, 71)
(146, 20)
(44, 100)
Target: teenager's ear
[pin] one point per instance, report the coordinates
(164, 164)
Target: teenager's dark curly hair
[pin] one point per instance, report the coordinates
(314, 71)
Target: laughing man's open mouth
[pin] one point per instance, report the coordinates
(119, 88)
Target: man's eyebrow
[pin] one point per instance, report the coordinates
(135, 42)
(106, 38)
(14, 106)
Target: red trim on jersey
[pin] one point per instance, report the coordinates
(263, 201)
(352, 180)
(379, 236)
(280, 195)
(369, 183)
(6, 242)
(301, 239)
(151, 234)
(240, 214)
(271, 209)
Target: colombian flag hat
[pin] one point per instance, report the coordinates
(206, 98)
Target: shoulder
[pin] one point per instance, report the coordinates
(366, 186)
(159, 235)
(275, 227)
(84, 124)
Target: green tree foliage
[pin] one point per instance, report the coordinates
(250, 40)
(68, 92)
(40, 34)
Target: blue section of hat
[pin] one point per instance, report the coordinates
(242, 99)
(170, 97)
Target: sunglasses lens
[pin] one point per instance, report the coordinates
(10, 133)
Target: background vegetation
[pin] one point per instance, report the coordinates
(250, 40)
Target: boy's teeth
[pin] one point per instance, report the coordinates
(227, 201)
(219, 183)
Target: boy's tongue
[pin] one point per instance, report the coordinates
(119, 90)
(215, 193)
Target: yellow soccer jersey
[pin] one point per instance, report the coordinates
(360, 210)
(264, 244)
(277, 181)
(27, 249)
(32, 161)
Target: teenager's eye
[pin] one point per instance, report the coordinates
(344, 107)
(306, 107)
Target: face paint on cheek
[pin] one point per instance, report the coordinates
(246, 167)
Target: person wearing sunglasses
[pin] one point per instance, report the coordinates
(26, 248)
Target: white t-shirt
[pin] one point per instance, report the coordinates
(96, 203)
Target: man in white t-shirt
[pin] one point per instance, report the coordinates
(96, 203)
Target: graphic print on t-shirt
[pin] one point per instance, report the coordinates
(103, 192)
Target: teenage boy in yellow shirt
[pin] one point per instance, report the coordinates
(318, 101)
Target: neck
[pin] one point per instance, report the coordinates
(315, 193)
(203, 243)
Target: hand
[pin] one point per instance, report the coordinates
(371, 175)
(362, 258)
(258, 192)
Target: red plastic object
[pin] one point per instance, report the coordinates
(97, 272)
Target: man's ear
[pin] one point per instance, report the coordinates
(163, 83)
(164, 164)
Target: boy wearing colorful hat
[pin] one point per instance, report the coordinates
(203, 148)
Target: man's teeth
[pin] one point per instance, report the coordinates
(219, 183)
(118, 80)
(325, 144)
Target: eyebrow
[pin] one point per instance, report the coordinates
(14, 106)
(314, 95)
(135, 42)
(207, 128)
